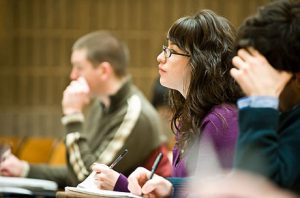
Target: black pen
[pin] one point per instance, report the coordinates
(116, 161)
(155, 164)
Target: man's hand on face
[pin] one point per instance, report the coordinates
(76, 96)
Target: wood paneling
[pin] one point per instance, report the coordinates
(36, 37)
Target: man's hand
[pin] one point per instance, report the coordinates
(11, 166)
(256, 76)
(76, 96)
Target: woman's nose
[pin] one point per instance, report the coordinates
(161, 57)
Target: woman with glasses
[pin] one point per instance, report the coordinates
(195, 66)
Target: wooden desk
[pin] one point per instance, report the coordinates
(91, 193)
(69, 194)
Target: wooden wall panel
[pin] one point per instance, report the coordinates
(36, 37)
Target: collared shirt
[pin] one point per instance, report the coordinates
(258, 101)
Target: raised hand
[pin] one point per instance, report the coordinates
(256, 76)
(76, 96)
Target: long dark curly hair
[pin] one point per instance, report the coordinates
(209, 39)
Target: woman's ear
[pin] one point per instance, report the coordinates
(104, 70)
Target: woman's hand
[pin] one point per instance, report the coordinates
(139, 184)
(105, 178)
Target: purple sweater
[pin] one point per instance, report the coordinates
(220, 126)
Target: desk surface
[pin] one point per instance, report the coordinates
(69, 194)
(28, 183)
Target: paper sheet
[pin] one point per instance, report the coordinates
(88, 186)
(101, 193)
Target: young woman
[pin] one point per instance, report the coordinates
(195, 65)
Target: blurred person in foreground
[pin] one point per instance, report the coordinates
(104, 114)
(237, 184)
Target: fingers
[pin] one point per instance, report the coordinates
(75, 97)
(157, 186)
(82, 81)
(253, 52)
(256, 76)
(78, 86)
(234, 73)
(248, 55)
(238, 62)
(244, 54)
(137, 179)
(149, 186)
(133, 185)
(105, 177)
(98, 168)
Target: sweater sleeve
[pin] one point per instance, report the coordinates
(121, 184)
(79, 154)
(263, 150)
(179, 186)
(59, 174)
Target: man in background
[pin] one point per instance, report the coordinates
(104, 114)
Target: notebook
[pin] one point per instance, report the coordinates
(89, 187)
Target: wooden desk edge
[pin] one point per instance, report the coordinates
(69, 194)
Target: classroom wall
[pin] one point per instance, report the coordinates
(36, 37)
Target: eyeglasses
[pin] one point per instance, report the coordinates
(168, 52)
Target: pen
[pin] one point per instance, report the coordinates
(116, 161)
(155, 164)
(154, 167)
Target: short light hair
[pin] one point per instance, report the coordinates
(103, 46)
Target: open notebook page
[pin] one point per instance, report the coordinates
(88, 186)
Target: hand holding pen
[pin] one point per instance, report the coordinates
(115, 162)
(154, 166)
(105, 177)
(143, 181)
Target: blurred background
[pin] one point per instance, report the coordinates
(35, 46)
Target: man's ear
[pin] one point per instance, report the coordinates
(104, 70)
